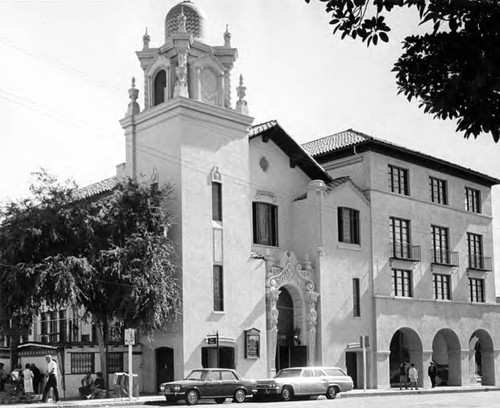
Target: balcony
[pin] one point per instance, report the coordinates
(479, 263)
(444, 257)
(405, 251)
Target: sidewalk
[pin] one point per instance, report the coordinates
(110, 402)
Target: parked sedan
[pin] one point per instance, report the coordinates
(213, 383)
(305, 381)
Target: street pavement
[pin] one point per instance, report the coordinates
(453, 397)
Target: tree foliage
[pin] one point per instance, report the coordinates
(453, 70)
(110, 257)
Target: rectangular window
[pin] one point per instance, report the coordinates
(441, 287)
(356, 308)
(472, 200)
(400, 238)
(217, 201)
(53, 331)
(439, 191)
(82, 363)
(218, 289)
(476, 288)
(401, 283)
(440, 245)
(115, 362)
(348, 225)
(62, 325)
(398, 180)
(265, 224)
(475, 247)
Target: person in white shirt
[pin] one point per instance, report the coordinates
(28, 380)
(51, 380)
(413, 374)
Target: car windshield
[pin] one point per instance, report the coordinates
(288, 373)
(195, 375)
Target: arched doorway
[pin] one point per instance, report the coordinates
(446, 353)
(289, 351)
(164, 365)
(406, 347)
(481, 358)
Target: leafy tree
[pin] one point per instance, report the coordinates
(453, 70)
(109, 257)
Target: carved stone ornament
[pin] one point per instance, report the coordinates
(263, 163)
(289, 273)
(216, 176)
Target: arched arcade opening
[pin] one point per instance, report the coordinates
(405, 348)
(481, 358)
(446, 354)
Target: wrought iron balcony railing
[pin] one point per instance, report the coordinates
(479, 263)
(444, 257)
(405, 251)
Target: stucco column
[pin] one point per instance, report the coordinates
(454, 368)
(488, 366)
(383, 380)
(424, 379)
(496, 364)
(467, 366)
(312, 298)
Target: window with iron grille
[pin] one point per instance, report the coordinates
(398, 180)
(218, 289)
(265, 224)
(348, 225)
(401, 283)
(439, 191)
(475, 247)
(356, 308)
(441, 286)
(82, 363)
(476, 288)
(115, 362)
(400, 238)
(472, 200)
(440, 245)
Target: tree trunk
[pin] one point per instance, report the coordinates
(103, 350)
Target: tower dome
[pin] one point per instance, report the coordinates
(193, 18)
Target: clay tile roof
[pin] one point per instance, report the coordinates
(96, 189)
(255, 130)
(336, 141)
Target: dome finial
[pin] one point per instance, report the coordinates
(145, 40)
(181, 21)
(241, 104)
(133, 106)
(227, 37)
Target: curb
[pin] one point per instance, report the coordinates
(444, 390)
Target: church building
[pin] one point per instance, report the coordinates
(297, 255)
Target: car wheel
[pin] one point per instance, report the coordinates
(286, 393)
(192, 397)
(331, 392)
(240, 395)
(219, 400)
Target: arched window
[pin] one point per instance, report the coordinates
(160, 82)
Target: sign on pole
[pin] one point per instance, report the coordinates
(364, 341)
(130, 341)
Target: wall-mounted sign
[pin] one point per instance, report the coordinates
(129, 337)
(252, 343)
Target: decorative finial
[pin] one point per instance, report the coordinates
(133, 106)
(227, 37)
(241, 104)
(145, 40)
(181, 21)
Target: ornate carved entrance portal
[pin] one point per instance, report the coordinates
(291, 313)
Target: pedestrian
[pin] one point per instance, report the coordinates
(28, 380)
(37, 377)
(98, 386)
(402, 376)
(413, 375)
(432, 371)
(3, 377)
(87, 383)
(52, 372)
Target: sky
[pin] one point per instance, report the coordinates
(66, 66)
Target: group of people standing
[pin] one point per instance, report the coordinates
(408, 375)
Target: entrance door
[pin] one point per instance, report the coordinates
(291, 356)
(164, 365)
(351, 362)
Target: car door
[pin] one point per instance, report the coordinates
(307, 382)
(229, 383)
(211, 384)
(322, 381)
